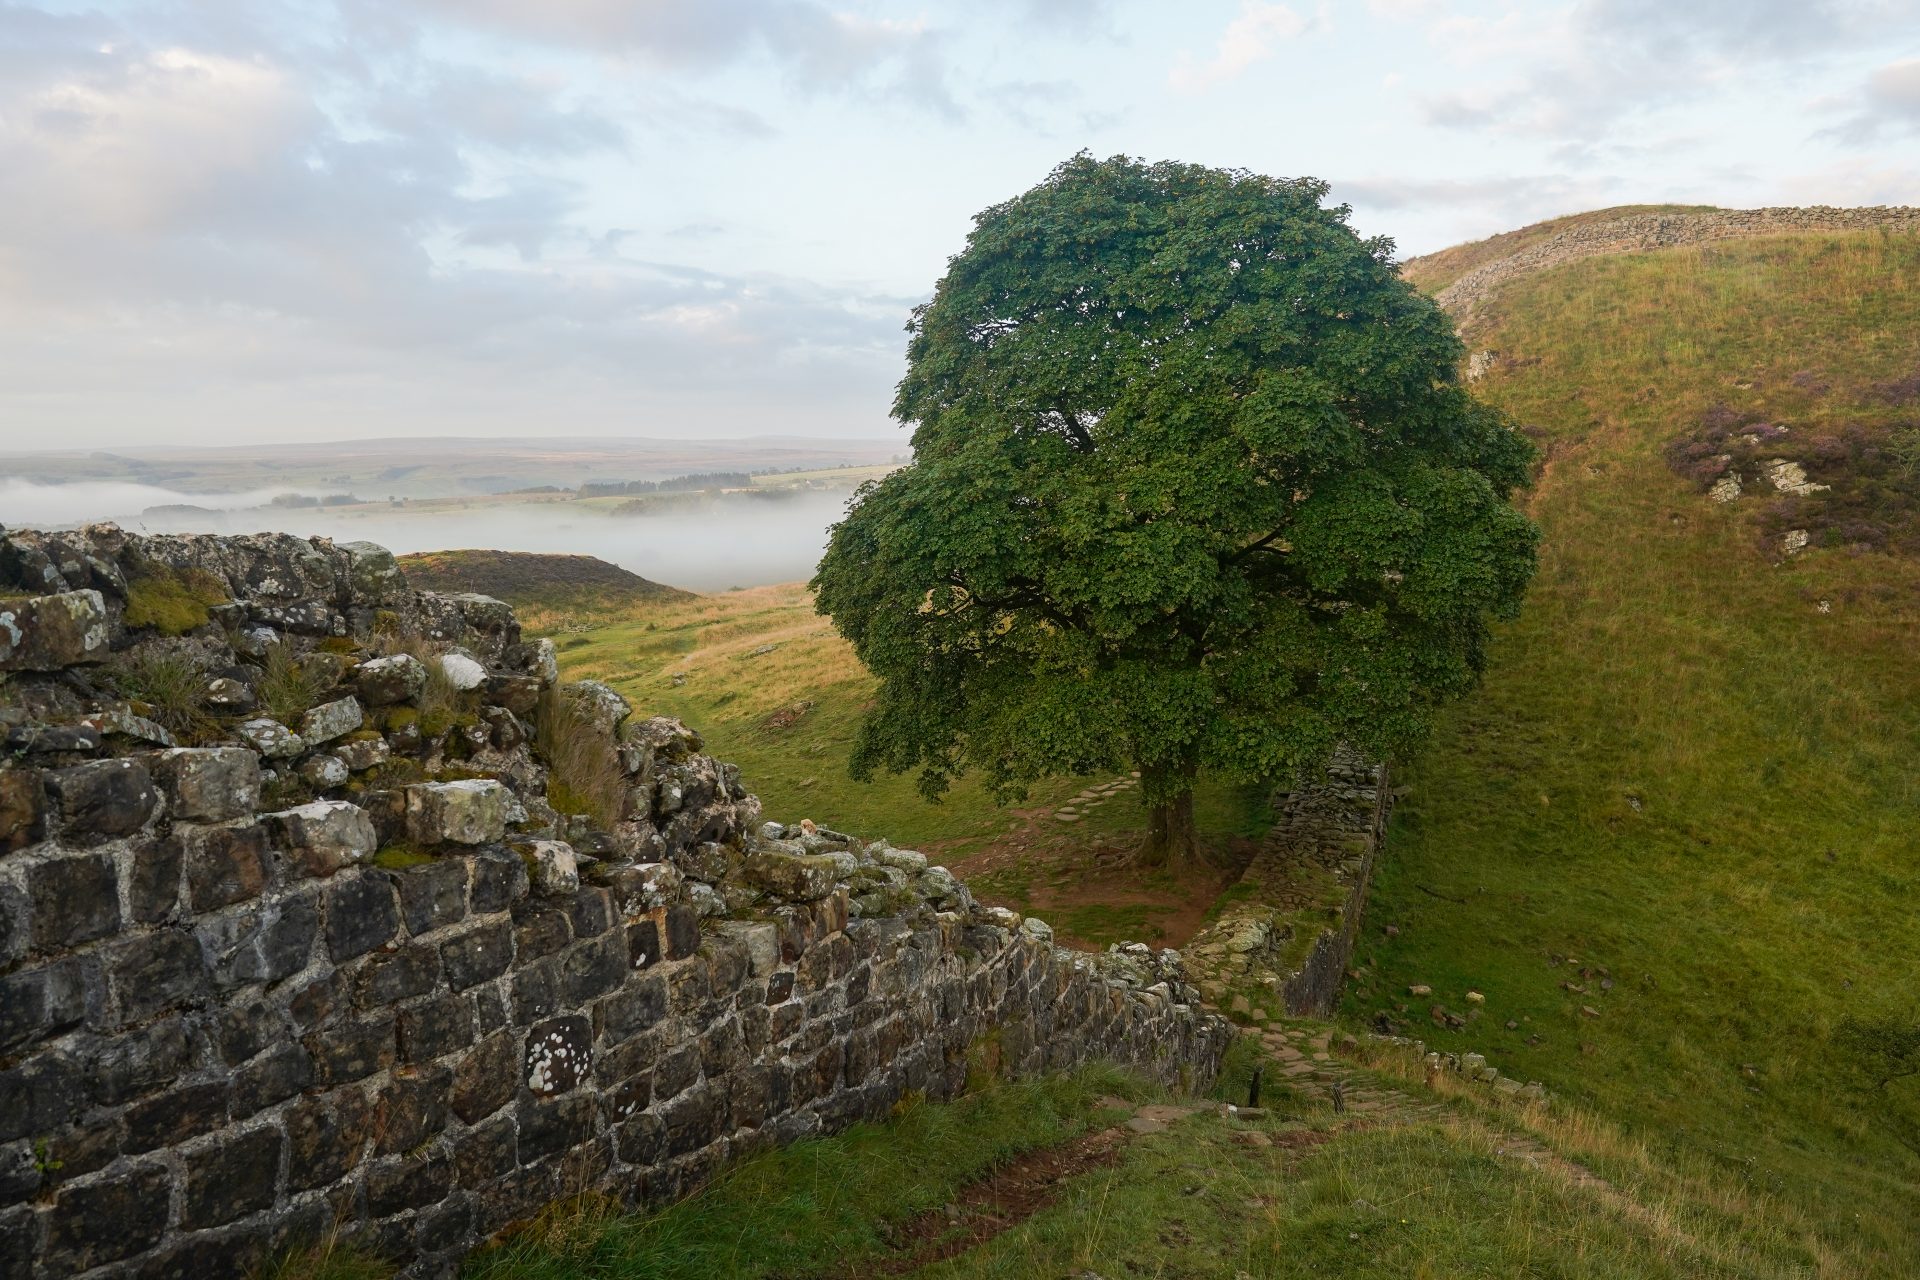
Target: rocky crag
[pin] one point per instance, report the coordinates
(325, 906)
(1643, 231)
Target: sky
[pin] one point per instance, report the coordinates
(249, 221)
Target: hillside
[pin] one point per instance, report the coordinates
(533, 581)
(1672, 838)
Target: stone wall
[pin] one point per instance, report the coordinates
(349, 969)
(1644, 231)
(1283, 941)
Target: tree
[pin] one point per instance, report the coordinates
(1195, 486)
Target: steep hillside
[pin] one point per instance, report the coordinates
(1672, 840)
(529, 580)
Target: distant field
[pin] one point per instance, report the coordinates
(774, 689)
(1688, 797)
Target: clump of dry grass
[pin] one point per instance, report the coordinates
(584, 764)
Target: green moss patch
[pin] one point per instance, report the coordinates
(171, 601)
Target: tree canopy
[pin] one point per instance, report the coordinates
(1195, 486)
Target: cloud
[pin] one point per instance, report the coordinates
(1251, 37)
(1888, 102)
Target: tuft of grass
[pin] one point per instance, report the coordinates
(171, 601)
(328, 1259)
(583, 764)
(171, 688)
(288, 688)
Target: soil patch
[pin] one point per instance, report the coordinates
(997, 1203)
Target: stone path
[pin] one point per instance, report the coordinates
(1093, 797)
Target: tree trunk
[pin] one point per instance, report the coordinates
(1172, 838)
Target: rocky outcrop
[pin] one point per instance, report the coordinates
(1643, 231)
(331, 953)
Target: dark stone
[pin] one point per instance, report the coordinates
(695, 1119)
(643, 1140)
(488, 1078)
(780, 987)
(87, 1149)
(435, 1028)
(678, 1068)
(410, 1109)
(411, 971)
(499, 880)
(721, 1048)
(39, 1096)
(224, 865)
(352, 1050)
(15, 926)
(536, 993)
(433, 895)
(104, 797)
(540, 931)
(750, 1096)
(592, 912)
(490, 1011)
(325, 1138)
(479, 955)
(54, 739)
(638, 1004)
(19, 1171)
(643, 943)
(274, 1076)
(360, 916)
(484, 1153)
(182, 1113)
(314, 1003)
(683, 931)
(265, 943)
(23, 808)
(553, 1125)
(155, 972)
(231, 1179)
(105, 1221)
(153, 884)
(559, 1055)
(132, 1065)
(446, 1228)
(19, 1241)
(394, 1186)
(75, 899)
(246, 1029)
(590, 969)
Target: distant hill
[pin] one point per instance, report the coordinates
(530, 580)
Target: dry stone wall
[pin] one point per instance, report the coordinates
(1644, 231)
(343, 966)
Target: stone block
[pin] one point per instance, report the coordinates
(791, 877)
(351, 1051)
(324, 772)
(389, 978)
(330, 720)
(149, 974)
(499, 880)
(471, 811)
(53, 632)
(361, 754)
(271, 738)
(76, 898)
(325, 1138)
(106, 1220)
(411, 1109)
(435, 1028)
(432, 895)
(360, 915)
(559, 1055)
(551, 1126)
(103, 797)
(385, 681)
(639, 1004)
(23, 808)
(230, 1179)
(224, 865)
(590, 969)
(487, 1078)
(208, 784)
(181, 1114)
(153, 878)
(461, 670)
(133, 1065)
(478, 955)
(39, 1095)
(373, 575)
(322, 837)
(552, 867)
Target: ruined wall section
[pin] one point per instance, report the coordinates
(349, 969)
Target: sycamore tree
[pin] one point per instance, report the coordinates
(1195, 488)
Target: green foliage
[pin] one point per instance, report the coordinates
(171, 601)
(1194, 487)
(584, 773)
(171, 688)
(288, 688)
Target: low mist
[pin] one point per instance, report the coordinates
(726, 542)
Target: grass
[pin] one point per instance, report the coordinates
(1689, 788)
(584, 775)
(287, 687)
(170, 688)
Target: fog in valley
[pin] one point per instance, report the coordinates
(733, 541)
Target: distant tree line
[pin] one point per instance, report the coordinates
(675, 484)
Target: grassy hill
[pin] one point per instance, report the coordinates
(1433, 272)
(1674, 842)
(535, 583)
(1674, 838)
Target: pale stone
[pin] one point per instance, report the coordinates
(271, 738)
(461, 671)
(553, 866)
(331, 720)
(471, 811)
(384, 681)
(324, 772)
(338, 832)
(209, 784)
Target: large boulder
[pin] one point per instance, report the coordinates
(51, 633)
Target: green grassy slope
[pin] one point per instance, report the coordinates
(532, 581)
(1693, 775)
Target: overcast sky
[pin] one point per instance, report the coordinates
(247, 220)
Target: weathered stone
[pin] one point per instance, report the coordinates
(180, 1114)
(478, 955)
(487, 1078)
(373, 575)
(208, 784)
(385, 681)
(471, 811)
(360, 915)
(552, 867)
(325, 1138)
(325, 836)
(271, 738)
(224, 693)
(602, 704)
(324, 772)
(499, 880)
(75, 899)
(122, 722)
(410, 1109)
(361, 754)
(51, 633)
(351, 1051)
(271, 1078)
(433, 894)
(907, 860)
(461, 671)
(435, 1029)
(104, 797)
(559, 1055)
(794, 877)
(107, 1220)
(230, 1179)
(330, 720)
(518, 694)
(224, 865)
(23, 808)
